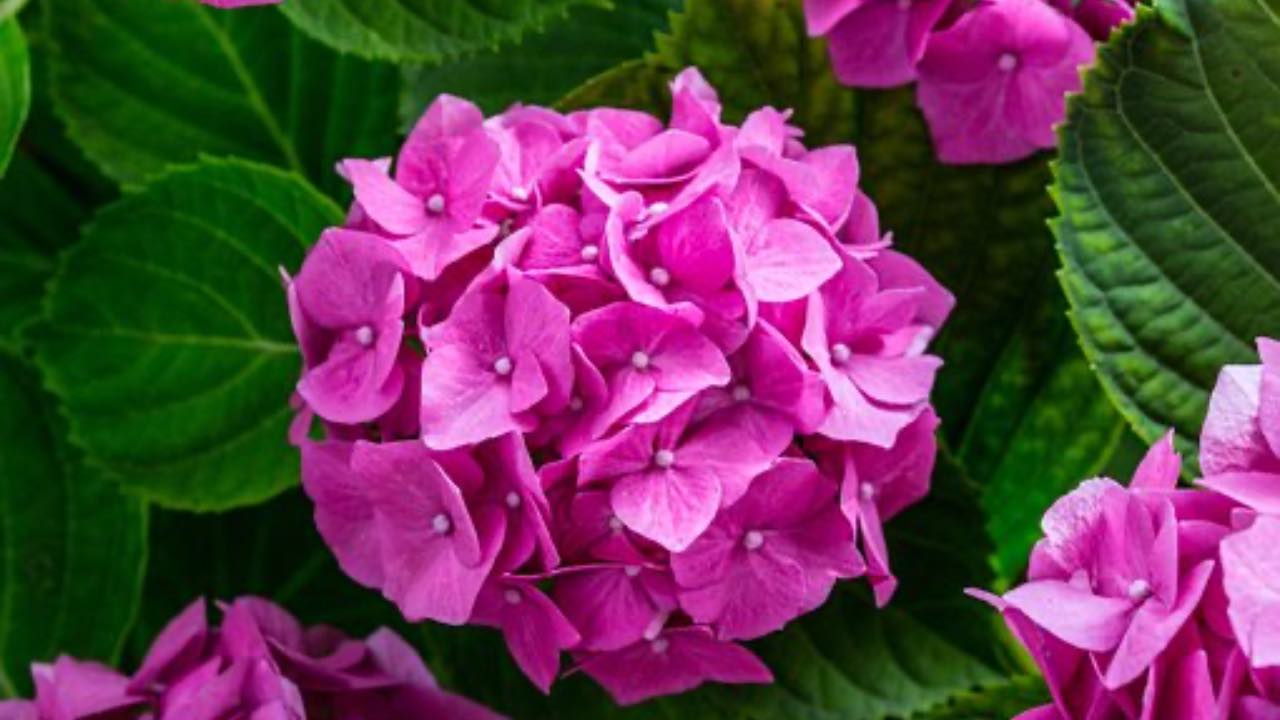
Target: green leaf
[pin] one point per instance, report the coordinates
(15, 87)
(166, 338)
(430, 31)
(73, 548)
(995, 702)
(1170, 227)
(146, 84)
(543, 67)
(49, 190)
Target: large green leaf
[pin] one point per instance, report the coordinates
(144, 84)
(1170, 228)
(15, 87)
(546, 65)
(425, 30)
(73, 548)
(166, 338)
(48, 192)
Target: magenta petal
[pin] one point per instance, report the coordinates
(788, 260)
(176, 650)
(676, 661)
(1258, 490)
(463, 402)
(395, 209)
(1160, 467)
(343, 510)
(1087, 621)
(822, 15)
(879, 44)
(356, 383)
(611, 605)
(670, 507)
(1251, 574)
(1153, 627)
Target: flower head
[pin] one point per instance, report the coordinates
(626, 335)
(260, 663)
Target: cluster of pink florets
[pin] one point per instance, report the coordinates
(629, 390)
(260, 664)
(991, 75)
(1151, 601)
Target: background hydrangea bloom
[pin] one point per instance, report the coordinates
(261, 664)
(1155, 601)
(624, 336)
(992, 74)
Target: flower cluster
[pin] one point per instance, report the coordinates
(992, 75)
(259, 665)
(626, 389)
(1157, 602)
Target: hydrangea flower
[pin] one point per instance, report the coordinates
(992, 75)
(261, 664)
(649, 389)
(1155, 601)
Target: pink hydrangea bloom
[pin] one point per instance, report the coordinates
(662, 384)
(261, 664)
(1154, 601)
(992, 74)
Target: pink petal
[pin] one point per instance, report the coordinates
(1153, 627)
(343, 511)
(1251, 575)
(395, 209)
(668, 506)
(788, 260)
(1080, 618)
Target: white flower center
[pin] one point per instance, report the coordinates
(503, 365)
(590, 253)
(441, 524)
(659, 276)
(664, 458)
(1007, 62)
(512, 597)
(520, 194)
(435, 204)
(631, 570)
(512, 499)
(741, 392)
(657, 208)
(658, 645)
(640, 360)
(1139, 589)
(868, 491)
(364, 335)
(840, 353)
(753, 540)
